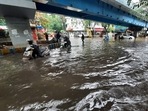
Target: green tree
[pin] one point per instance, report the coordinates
(111, 28)
(86, 23)
(50, 21)
(55, 23)
(63, 22)
(141, 3)
(140, 7)
(41, 19)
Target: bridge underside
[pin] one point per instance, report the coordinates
(17, 8)
(93, 10)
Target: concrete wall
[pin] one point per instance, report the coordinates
(17, 14)
(19, 31)
(20, 3)
(17, 8)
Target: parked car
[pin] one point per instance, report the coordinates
(127, 36)
(123, 36)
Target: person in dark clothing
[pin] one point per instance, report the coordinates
(36, 50)
(66, 45)
(58, 35)
(82, 37)
(46, 36)
(67, 42)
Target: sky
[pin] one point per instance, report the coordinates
(134, 1)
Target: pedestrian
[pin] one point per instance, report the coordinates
(67, 42)
(82, 37)
(57, 36)
(46, 36)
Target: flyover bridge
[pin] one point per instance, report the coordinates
(108, 11)
(18, 12)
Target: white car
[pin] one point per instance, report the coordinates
(126, 36)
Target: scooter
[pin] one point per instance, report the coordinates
(27, 55)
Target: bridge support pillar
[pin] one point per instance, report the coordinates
(135, 30)
(19, 30)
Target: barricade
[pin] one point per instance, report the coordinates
(54, 45)
(5, 51)
(11, 50)
(18, 50)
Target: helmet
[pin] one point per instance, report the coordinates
(29, 41)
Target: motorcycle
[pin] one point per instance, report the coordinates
(65, 44)
(65, 47)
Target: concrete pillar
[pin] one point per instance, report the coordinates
(19, 31)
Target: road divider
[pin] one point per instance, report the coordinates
(12, 50)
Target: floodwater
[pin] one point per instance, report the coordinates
(96, 76)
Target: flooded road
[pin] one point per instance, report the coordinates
(99, 76)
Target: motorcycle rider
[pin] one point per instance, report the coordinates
(67, 42)
(36, 51)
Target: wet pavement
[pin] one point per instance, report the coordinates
(96, 76)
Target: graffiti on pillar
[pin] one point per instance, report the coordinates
(26, 33)
(15, 33)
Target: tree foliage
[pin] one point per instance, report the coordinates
(86, 23)
(140, 7)
(50, 22)
(55, 22)
(138, 4)
(89, 23)
(41, 19)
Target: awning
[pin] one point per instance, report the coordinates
(98, 29)
(39, 27)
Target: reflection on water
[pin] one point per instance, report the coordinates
(96, 76)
